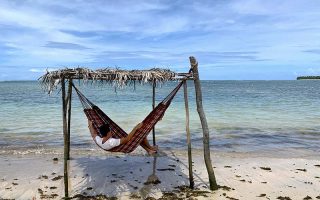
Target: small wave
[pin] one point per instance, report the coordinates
(4, 130)
(309, 132)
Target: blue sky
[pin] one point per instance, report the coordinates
(240, 39)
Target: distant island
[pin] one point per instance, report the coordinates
(307, 77)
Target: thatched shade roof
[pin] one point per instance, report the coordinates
(116, 77)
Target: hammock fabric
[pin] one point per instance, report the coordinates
(98, 117)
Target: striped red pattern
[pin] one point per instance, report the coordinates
(98, 117)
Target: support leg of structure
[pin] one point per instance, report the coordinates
(153, 106)
(65, 133)
(204, 124)
(188, 134)
(69, 117)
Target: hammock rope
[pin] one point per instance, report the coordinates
(98, 117)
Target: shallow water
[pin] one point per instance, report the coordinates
(243, 116)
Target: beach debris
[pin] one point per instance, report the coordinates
(169, 196)
(97, 197)
(184, 192)
(89, 188)
(317, 165)
(262, 195)
(283, 198)
(231, 198)
(318, 197)
(227, 166)
(150, 198)
(40, 191)
(57, 178)
(266, 168)
(153, 182)
(55, 159)
(308, 182)
(307, 198)
(53, 188)
(134, 196)
(53, 195)
(134, 187)
(152, 179)
(264, 182)
(303, 170)
(46, 196)
(43, 177)
(242, 180)
(166, 169)
(13, 183)
(226, 188)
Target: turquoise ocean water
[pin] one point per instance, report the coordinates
(243, 116)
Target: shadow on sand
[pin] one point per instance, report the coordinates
(127, 175)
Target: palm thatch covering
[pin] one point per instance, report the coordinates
(115, 77)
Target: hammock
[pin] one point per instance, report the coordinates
(98, 118)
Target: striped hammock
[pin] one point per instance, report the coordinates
(98, 118)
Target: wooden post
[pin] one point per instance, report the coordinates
(153, 105)
(65, 132)
(69, 117)
(204, 124)
(188, 134)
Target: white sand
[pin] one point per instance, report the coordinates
(26, 177)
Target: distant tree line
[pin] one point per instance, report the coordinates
(307, 77)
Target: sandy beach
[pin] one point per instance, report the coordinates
(90, 89)
(138, 176)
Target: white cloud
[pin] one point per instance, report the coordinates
(164, 32)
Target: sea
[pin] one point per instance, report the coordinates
(263, 117)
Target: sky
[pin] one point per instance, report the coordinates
(231, 39)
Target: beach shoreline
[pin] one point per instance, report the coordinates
(138, 176)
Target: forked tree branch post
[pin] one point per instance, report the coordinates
(185, 89)
(69, 96)
(65, 138)
(153, 106)
(204, 124)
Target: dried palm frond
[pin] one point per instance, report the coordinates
(114, 76)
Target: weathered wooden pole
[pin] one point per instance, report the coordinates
(153, 105)
(65, 132)
(204, 124)
(69, 117)
(188, 134)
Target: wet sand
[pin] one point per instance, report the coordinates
(162, 177)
